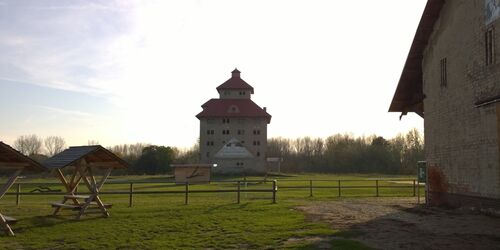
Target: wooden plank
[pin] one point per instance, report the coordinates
(61, 177)
(104, 164)
(13, 165)
(10, 220)
(69, 189)
(62, 205)
(92, 178)
(104, 178)
(74, 196)
(5, 225)
(72, 183)
(106, 205)
(86, 180)
(101, 205)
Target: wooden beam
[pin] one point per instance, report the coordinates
(104, 178)
(9, 182)
(105, 164)
(5, 224)
(63, 180)
(86, 180)
(13, 165)
(92, 178)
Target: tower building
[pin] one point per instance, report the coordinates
(233, 129)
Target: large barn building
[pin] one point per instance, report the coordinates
(233, 129)
(452, 78)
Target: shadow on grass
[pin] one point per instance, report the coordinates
(52, 220)
(227, 207)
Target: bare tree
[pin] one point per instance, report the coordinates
(28, 144)
(92, 142)
(54, 145)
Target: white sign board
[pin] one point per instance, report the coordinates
(274, 159)
(492, 10)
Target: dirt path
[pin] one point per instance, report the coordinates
(397, 223)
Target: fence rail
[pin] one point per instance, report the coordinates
(309, 185)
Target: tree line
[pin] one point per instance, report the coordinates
(344, 153)
(339, 153)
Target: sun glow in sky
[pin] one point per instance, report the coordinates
(138, 71)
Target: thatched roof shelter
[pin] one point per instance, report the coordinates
(96, 156)
(13, 160)
(85, 160)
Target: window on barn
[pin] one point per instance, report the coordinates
(444, 73)
(490, 46)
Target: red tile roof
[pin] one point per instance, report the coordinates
(244, 108)
(235, 82)
(409, 94)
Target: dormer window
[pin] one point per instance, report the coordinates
(233, 109)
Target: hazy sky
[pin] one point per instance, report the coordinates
(138, 71)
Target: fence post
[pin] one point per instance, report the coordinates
(131, 191)
(187, 191)
(414, 191)
(310, 188)
(18, 195)
(275, 188)
(376, 186)
(418, 192)
(339, 187)
(239, 189)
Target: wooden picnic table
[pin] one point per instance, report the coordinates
(15, 162)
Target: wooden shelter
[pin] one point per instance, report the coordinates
(86, 162)
(192, 173)
(13, 161)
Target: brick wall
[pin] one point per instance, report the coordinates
(461, 139)
(247, 137)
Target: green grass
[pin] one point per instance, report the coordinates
(162, 221)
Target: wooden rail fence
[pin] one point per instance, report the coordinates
(309, 185)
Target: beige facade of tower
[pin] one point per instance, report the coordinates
(233, 130)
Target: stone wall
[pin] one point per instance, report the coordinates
(246, 126)
(462, 139)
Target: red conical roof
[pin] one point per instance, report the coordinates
(236, 108)
(235, 82)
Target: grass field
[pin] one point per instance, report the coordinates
(163, 221)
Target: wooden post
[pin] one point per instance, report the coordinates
(18, 195)
(414, 188)
(376, 186)
(275, 188)
(239, 189)
(187, 191)
(339, 187)
(310, 188)
(418, 192)
(131, 191)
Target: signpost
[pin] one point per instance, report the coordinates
(421, 178)
(279, 160)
